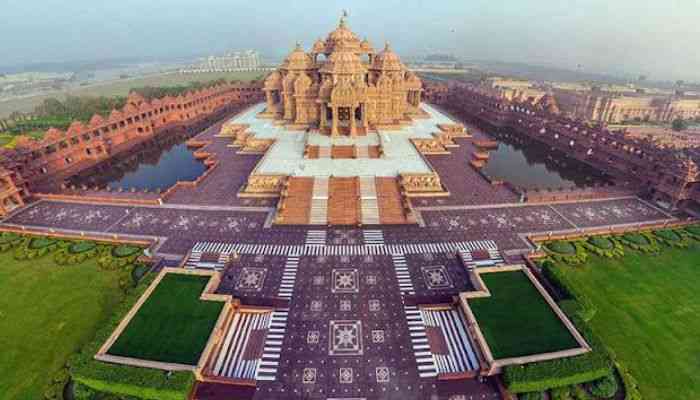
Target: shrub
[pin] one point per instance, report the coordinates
(82, 247)
(605, 387)
(138, 272)
(125, 250)
(580, 394)
(601, 242)
(693, 229)
(9, 237)
(560, 393)
(582, 305)
(41, 242)
(561, 247)
(531, 396)
(642, 241)
(635, 238)
(629, 382)
(123, 380)
(544, 375)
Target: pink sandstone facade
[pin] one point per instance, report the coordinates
(60, 154)
(342, 86)
(667, 173)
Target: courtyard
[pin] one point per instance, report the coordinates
(646, 313)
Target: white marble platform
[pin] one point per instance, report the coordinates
(286, 156)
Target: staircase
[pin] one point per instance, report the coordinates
(369, 207)
(319, 202)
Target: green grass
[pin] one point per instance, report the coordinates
(516, 320)
(648, 307)
(173, 325)
(46, 314)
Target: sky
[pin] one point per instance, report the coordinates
(657, 38)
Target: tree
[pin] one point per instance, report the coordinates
(679, 124)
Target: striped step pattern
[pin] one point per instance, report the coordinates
(427, 367)
(460, 356)
(373, 237)
(495, 258)
(289, 277)
(362, 151)
(315, 246)
(232, 360)
(319, 202)
(269, 362)
(369, 206)
(316, 238)
(324, 151)
(195, 258)
(402, 274)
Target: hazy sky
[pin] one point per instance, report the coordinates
(660, 38)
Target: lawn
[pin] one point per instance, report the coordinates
(516, 320)
(173, 325)
(648, 308)
(47, 313)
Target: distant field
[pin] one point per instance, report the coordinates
(122, 87)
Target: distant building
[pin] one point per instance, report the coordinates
(248, 60)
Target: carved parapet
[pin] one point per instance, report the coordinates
(454, 130)
(429, 146)
(486, 144)
(232, 129)
(240, 138)
(445, 138)
(481, 155)
(264, 186)
(256, 146)
(422, 185)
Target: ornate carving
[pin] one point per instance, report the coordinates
(421, 183)
(429, 146)
(265, 184)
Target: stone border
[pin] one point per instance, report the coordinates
(496, 365)
(207, 295)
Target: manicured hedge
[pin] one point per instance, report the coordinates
(636, 238)
(532, 396)
(605, 387)
(9, 237)
(560, 393)
(125, 250)
(36, 243)
(540, 376)
(694, 229)
(544, 375)
(601, 242)
(629, 382)
(141, 383)
(81, 247)
(561, 247)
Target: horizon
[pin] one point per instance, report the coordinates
(599, 38)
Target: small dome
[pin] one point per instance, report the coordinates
(319, 46)
(297, 59)
(387, 60)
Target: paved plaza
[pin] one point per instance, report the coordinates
(344, 301)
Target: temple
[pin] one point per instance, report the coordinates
(342, 87)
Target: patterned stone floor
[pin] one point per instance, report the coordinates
(347, 335)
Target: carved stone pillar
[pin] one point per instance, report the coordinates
(353, 129)
(365, 121)
(323, 114)
(334, 123)
(268, 97)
